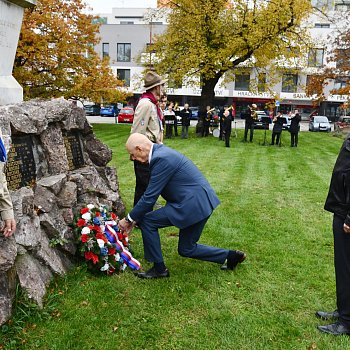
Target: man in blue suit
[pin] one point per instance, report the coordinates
(190, 202)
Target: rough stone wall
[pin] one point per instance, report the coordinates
(44, 211)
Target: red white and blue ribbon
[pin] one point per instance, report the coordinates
(124, 253)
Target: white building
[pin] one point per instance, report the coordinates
(127, 30)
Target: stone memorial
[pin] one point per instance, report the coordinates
(11, 15)
(55, 166)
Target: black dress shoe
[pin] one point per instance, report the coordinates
(235, 257)
(335, 329)
(324, 315)
(152, 273)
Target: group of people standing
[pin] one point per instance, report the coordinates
(294, 128)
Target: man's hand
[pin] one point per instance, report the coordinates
(346, 228)
(9, 227)
(125, 226)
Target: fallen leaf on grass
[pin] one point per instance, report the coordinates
(313, 346)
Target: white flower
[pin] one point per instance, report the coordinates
(105, 267)
(85, 231)
(117, 257)
(86, 216)
(123, 267)
(100, 243)
(90, 206)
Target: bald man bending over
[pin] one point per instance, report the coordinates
(190, 201)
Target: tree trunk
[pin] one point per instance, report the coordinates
(208, 94)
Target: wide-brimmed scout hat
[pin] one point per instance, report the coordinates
(254, 105)
(152, 79)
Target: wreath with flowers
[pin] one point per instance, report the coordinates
(104, 247)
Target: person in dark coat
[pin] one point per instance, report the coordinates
(338, 203)
(277, 129)
(294, 128)
(227, 127)
(190, 201)
(186, 115)
(250, 116)
(221, 122)
(206, 121)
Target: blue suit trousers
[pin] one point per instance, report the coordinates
(188, 238)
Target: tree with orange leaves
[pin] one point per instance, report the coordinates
(55, 55)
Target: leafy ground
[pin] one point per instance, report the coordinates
(271, 207)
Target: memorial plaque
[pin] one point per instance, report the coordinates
(20, 168)
(74, 151)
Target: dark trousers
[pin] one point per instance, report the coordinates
(175, 127)
(276, 136)
(227, 138)
(184, 133)
(142, 174)
(169, 131)
(205, 130)
(294, 139)
(247, 127)
(188, 238)
(342, 269)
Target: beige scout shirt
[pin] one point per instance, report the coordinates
(146, 121)
(6, 208)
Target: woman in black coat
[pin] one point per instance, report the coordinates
(294, 128)
(277, 128)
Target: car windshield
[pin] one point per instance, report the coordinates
(346, 120)
(126, 111)
(320, 120)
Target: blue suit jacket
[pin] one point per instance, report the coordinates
(189, 196)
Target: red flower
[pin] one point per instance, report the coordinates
(113, 216)
(91, 256)
(84, 210)
(101, 236)
(120, 236)
(98, 214)
(81, 223)
(84, 238)
(111, 251)
(96, 228)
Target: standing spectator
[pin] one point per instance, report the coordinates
(206, 121)
(6, 208)
(250, 116)
(148, 121)
(338, 203)
(169, 116)
(227, 127)
(176, 109)
(221, 121)
(277, 129)
(294, 128)
(186, 115)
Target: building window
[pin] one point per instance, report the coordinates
(341, 82)
(315, 57)
(123, 52)
(289, 82)
(342, 57)
(342, 7)
(126, 22)
(105, 50)
(242, 82)
(124, 74)
(262, 82)
(322, 25)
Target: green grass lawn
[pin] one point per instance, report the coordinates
(271, 207)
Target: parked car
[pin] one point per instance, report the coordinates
(263, 120)
(195, 111)
(286, 122)
(126, 115)
(343, 124)
(109, 111)
(319, 123)
(92, 109)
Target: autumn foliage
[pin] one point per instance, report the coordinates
(55, 55)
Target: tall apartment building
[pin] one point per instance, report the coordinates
(126, 31)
